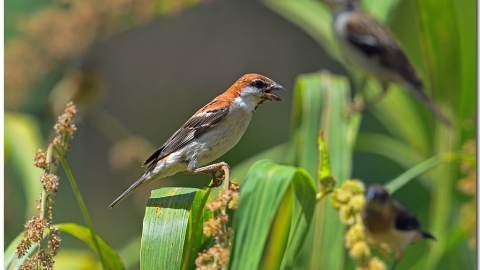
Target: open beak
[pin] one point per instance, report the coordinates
(268, 92)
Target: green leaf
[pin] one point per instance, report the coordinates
(392, 148)
(76, 259)
(423, 167)
(169, 233)
(401, 116)
(22, 138)
(321, 100)
(80, 232)
(440, 44)
(83, 233)
(274, 213)
(306, 113)
(276, 154)
(381, 10)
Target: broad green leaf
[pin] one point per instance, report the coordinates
(276, 154)
(306, 113)
(321, 101)
(389, 147)
(441, 50)
(196, 241)
(401, 117)
(22, 138)
(168, 228)
(467, 31)
(274, 213)
(83, 233)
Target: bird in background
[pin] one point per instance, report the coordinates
(366, 44)
(387, 221)
(208, 134)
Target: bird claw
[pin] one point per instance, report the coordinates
(357, 107)
(217, 180)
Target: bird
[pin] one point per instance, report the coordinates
(209, 133)
(366, 44)
(387, 221)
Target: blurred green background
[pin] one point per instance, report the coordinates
(139, 69)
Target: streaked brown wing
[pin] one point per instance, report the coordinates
(369, 36)
(192, 129)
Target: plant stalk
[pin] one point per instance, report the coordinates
(81, 204)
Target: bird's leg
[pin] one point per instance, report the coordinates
(398, 259)
(212, 170)
(363, 106)
(395, 264)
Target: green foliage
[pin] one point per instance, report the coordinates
(281, 222)
(275, 210)
(22, 139)
(172, 228)
(81, 233)
(412, 135)
(320, 102)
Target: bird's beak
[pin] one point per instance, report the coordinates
(371, 194)
(268, 92)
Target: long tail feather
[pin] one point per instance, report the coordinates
(428, 235)
(138, 184)
(420, 95)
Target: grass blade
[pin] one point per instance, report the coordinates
(167, 228)
(423, 167)
(321, 100)
(83, 233)
(274, 213)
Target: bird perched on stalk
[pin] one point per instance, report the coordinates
(387, 221)
(209, 133)
(366, 44)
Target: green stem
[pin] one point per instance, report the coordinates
(195, 226)
(424, 167)
(81, 204)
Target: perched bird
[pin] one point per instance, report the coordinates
(209, 133)
(387, 221)
(366, 44)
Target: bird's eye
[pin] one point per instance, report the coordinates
(259, 84)
(383, 197)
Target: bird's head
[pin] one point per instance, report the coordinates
(377, 197)
(256, 89)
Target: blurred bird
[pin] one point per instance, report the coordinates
(209, 133)
(366, 44)
(387, 221)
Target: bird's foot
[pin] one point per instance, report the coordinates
(217, 180)
(357, 107)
